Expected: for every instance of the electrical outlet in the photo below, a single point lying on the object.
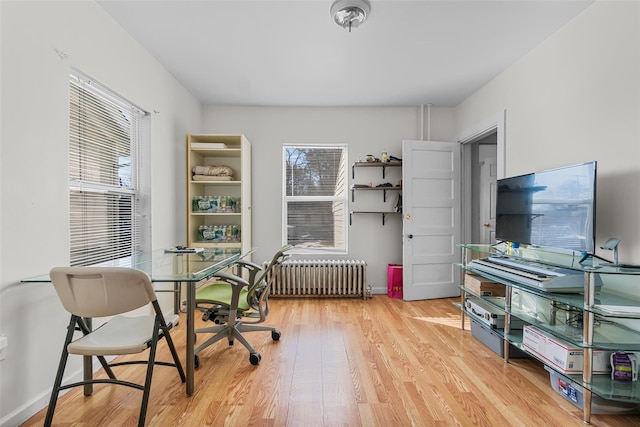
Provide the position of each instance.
(4, 342)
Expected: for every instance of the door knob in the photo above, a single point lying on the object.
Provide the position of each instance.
(410, 236)
(486, 224)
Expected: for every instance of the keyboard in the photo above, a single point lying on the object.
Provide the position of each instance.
(537, 275)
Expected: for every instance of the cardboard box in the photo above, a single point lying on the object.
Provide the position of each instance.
(483, 287)
(563, 356)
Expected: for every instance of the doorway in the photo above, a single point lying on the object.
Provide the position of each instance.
(483, 189)
(483, 153)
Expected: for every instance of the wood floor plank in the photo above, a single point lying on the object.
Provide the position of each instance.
(341, 362)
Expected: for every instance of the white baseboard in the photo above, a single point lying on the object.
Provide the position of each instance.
(41, 401)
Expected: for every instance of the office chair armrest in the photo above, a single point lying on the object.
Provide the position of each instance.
(251, 267)
(231, 279)
(248, 265)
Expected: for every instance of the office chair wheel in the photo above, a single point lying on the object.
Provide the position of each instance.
(196, 361)
(254, 358)
(275, 335)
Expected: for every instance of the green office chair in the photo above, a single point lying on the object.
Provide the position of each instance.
(237, 305)
(88, 292)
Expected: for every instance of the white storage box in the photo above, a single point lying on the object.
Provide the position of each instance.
(574, 393)
(563, 356)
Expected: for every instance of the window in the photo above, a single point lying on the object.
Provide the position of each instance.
(107, 188)
(315, 202)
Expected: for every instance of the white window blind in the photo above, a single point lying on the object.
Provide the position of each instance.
(315, 202)
(105, 198)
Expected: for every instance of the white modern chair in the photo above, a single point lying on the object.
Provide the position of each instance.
(88, 292)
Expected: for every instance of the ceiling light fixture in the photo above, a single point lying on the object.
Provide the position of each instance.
(350, 13)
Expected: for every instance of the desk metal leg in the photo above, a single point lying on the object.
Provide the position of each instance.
(176, 297)
(191, 341)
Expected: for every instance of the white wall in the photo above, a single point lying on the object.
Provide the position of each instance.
(366, 131)
(576, 98)
(33, 170)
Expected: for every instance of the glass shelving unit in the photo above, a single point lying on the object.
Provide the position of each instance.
(607, 319)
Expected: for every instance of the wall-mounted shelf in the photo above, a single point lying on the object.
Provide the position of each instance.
(383, 165)
(383, 189)
(384, 214)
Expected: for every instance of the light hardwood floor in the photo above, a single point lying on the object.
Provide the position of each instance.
(342, 362)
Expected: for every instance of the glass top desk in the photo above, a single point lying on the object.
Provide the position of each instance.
(183, 268)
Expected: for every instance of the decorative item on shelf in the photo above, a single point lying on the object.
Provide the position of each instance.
(397, 206)
(384, 156)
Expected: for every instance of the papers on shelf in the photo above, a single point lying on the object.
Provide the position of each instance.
(618, 309)
(212, 145)
(183, 250)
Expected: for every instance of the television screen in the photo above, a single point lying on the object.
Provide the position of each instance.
(552, 208)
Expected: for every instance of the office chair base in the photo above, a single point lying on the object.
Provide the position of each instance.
(235, 333)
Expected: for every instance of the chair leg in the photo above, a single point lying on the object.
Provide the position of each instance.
(61, 367)
(243, 340)
(167, 337)
(106, 367)
(147, 382)
(174, 353)
(221, 333)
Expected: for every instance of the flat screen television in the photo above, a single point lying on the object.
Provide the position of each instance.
(554, 208)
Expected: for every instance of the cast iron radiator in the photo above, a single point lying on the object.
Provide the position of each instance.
(320, 278)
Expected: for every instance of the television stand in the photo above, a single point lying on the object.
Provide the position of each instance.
(606, 322)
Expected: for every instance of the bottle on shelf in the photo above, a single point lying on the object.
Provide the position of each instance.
(385, 156)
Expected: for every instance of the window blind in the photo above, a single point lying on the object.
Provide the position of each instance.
(104, 136)
(315, 197)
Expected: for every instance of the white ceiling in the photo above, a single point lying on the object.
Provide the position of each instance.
(291, 53)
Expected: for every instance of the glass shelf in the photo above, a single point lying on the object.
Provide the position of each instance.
(562, 259)
(607, 303)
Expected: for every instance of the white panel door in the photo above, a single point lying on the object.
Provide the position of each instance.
(431, 219)
(488, 180)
